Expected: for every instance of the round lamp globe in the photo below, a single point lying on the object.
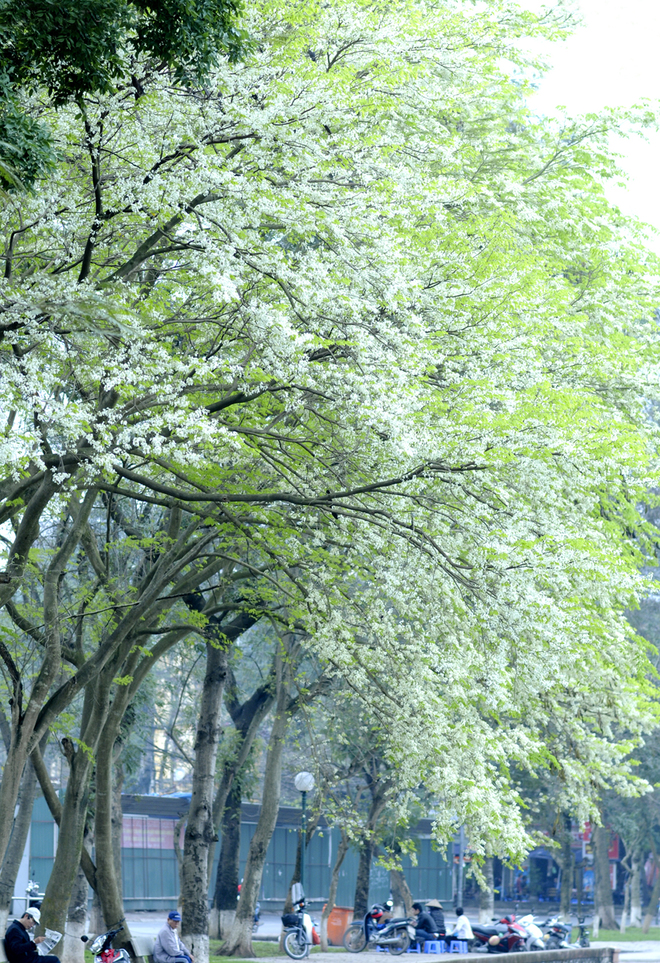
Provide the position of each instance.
(304, 782)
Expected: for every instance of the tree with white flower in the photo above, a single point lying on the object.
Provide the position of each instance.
(354, 310)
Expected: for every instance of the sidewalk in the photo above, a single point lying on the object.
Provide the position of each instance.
(642, 951)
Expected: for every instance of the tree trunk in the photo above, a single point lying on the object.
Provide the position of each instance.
(73, 950)
(378, 791)
(70, 840)
(107, 827)
(603, 904)
(96, 921)
(636, 889)
(226, 881)
(117, 824)
(652, 908)
(16, 847)
(178, 852)
(487, 893)
(10, 783)
(247, 717)
(361, 899)
(24, 717)
(342, 849)
(74, 810)
(626, 904)
(401, 895)
(567, 868)
(199, 828)
(239, 942)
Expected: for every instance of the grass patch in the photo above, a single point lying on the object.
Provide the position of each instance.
(260, 947)
(632, 934)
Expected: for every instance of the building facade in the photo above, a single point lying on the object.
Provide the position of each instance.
(149, 866)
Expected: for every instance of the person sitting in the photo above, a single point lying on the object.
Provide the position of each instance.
(19, 947)
(168, 947)
(462, 930)
(423, 923)
(434, 908)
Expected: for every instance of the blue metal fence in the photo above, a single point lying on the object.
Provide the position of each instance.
(149, 867)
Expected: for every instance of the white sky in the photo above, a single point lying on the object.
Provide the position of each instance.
(613, 60)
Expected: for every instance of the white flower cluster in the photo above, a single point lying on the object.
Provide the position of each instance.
(357, 298)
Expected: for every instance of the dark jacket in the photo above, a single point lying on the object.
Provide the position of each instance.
(19, 948)
(438, 918)
(425, 924)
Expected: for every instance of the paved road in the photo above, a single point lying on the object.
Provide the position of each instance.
(641, 951)
(148, 924)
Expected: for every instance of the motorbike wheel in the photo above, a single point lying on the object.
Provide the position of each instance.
(584, 941)
(354, 939)
(295, 945)
(396, 949)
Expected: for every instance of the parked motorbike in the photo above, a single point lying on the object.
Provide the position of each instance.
(535, 940)
(394, 935)
(502, 936)
(298, 932)
(583, 938)
(558, 936)
(103, 950)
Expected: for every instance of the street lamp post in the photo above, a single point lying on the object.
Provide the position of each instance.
(304, 783)
(461, 859)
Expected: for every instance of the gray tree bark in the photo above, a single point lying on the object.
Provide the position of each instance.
(487, 893)
(18, 839)
(652, 907)
(72, 829)
(604, 905)
(226, 881)
(107, 824)
(246, 717)
(626, 905)
(239, 942)
(73, 950)
(24, 719)
(199, 827)
(401, 895)
(378, 789)
(636, 888)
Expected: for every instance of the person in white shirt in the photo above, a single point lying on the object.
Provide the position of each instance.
(462, 930)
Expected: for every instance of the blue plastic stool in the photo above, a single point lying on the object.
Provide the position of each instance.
(435, 946)
(414, 948)
(381, 949)
(458, 946)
